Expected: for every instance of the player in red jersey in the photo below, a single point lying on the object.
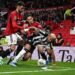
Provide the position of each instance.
(32, 24)
(14, 23)
(29, 48)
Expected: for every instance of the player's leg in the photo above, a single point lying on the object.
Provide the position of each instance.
(21, 53)
(7, 52)
(12, 39)
(19, 48)
(1, 60)
(26, 56)
(28, 53)
(41, 49)
(20, 44)
(52, 55)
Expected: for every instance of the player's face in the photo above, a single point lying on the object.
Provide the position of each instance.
(21, 8)
(30, 19)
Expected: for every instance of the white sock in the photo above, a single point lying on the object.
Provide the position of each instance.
(21, 53)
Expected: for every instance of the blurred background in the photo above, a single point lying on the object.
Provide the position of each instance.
(50, 13)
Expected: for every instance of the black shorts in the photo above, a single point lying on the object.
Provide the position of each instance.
(6, 53)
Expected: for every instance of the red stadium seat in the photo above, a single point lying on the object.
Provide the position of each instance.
(66, 32)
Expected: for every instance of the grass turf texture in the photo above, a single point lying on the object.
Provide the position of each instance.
(30, 68)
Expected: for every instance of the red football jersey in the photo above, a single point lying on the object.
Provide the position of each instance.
(14, 23)
(34, 24)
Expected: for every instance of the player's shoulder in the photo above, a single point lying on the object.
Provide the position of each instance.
(37, 22)
(13, 13)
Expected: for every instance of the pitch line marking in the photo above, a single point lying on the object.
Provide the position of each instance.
(35, 71)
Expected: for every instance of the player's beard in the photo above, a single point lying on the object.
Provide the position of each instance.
(20, 11)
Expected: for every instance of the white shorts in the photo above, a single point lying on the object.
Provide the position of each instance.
(12, 39)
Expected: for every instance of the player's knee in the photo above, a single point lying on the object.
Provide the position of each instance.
(27, 56)
(40, 48)
(49, 52)
(27, 46)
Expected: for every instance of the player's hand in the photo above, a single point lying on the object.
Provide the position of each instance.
(32, 28)
(25, 25)
(22, 31)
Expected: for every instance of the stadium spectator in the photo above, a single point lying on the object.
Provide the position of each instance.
(68, 44)
(69, 14)
(60, 39)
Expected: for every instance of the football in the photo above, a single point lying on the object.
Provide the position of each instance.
(41, 62)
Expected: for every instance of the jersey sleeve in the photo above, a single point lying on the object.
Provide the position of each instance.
(38, 25)
(43, 32)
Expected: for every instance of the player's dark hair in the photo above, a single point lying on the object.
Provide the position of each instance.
(20, 3)
(28, 15)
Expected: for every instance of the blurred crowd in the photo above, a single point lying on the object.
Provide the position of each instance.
(34, 4)
(44, 16)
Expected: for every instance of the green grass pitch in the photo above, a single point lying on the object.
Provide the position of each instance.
(30, 68)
